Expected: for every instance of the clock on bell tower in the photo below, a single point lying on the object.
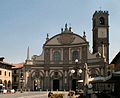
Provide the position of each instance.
(101, 33)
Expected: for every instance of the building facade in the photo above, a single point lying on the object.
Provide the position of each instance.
(116, 62)
(51, 70)
(5, 74)
(17, 74)
(116, 74)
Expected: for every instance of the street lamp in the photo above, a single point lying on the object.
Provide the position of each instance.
(21, 81)
(76, 61)
(76, 70)
(85, 72)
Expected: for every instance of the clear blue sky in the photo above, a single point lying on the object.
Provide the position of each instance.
(26, 23)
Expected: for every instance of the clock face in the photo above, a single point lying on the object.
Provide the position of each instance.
(102, 32)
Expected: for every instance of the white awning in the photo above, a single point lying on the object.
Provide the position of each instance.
(96, 79)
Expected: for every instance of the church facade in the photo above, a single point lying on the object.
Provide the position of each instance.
(51, 70)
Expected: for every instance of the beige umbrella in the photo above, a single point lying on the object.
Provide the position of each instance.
(85, 79)
(86, 75)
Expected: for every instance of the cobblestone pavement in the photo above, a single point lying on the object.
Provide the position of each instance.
(42, 94)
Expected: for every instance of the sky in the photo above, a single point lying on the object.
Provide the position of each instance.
(26, 23)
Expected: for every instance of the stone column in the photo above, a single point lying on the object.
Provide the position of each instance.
(47, 80)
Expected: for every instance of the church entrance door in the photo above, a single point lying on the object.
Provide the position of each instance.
(74, 84)
(55, 84)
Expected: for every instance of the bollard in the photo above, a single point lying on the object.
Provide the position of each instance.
(47, 91)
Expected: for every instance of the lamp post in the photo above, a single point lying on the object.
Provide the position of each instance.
(76, 70)
(85, 72)
(21, 81)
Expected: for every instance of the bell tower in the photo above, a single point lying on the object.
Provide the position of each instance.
(101, 33)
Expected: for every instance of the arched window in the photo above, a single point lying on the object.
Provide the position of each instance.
(102, 20)
(75, 55)
(56, 57)
(9, 84)
(5, 73)
(5, 83)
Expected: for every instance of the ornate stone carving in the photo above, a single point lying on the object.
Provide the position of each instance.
(65, 55)
(66, 38)
(47, 55)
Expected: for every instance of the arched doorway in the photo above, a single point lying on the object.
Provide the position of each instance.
(56, 80)
(9, 84)
(55, 84)
(5, 84)
(37, 80)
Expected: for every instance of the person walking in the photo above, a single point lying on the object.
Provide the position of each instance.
(49, 94)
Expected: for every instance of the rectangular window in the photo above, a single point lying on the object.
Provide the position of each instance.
(5, 73)
(15, 71)
(15, 79)
(9, 74)
(0, 72)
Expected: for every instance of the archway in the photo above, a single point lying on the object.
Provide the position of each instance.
(56, 80)
(9, 84)
(37, 80)
(5, 84)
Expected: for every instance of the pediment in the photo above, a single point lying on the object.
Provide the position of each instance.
(65, 39)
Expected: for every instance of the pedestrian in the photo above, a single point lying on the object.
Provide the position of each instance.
(49, 94)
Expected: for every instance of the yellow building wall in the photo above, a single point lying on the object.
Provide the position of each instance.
(6, 77)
